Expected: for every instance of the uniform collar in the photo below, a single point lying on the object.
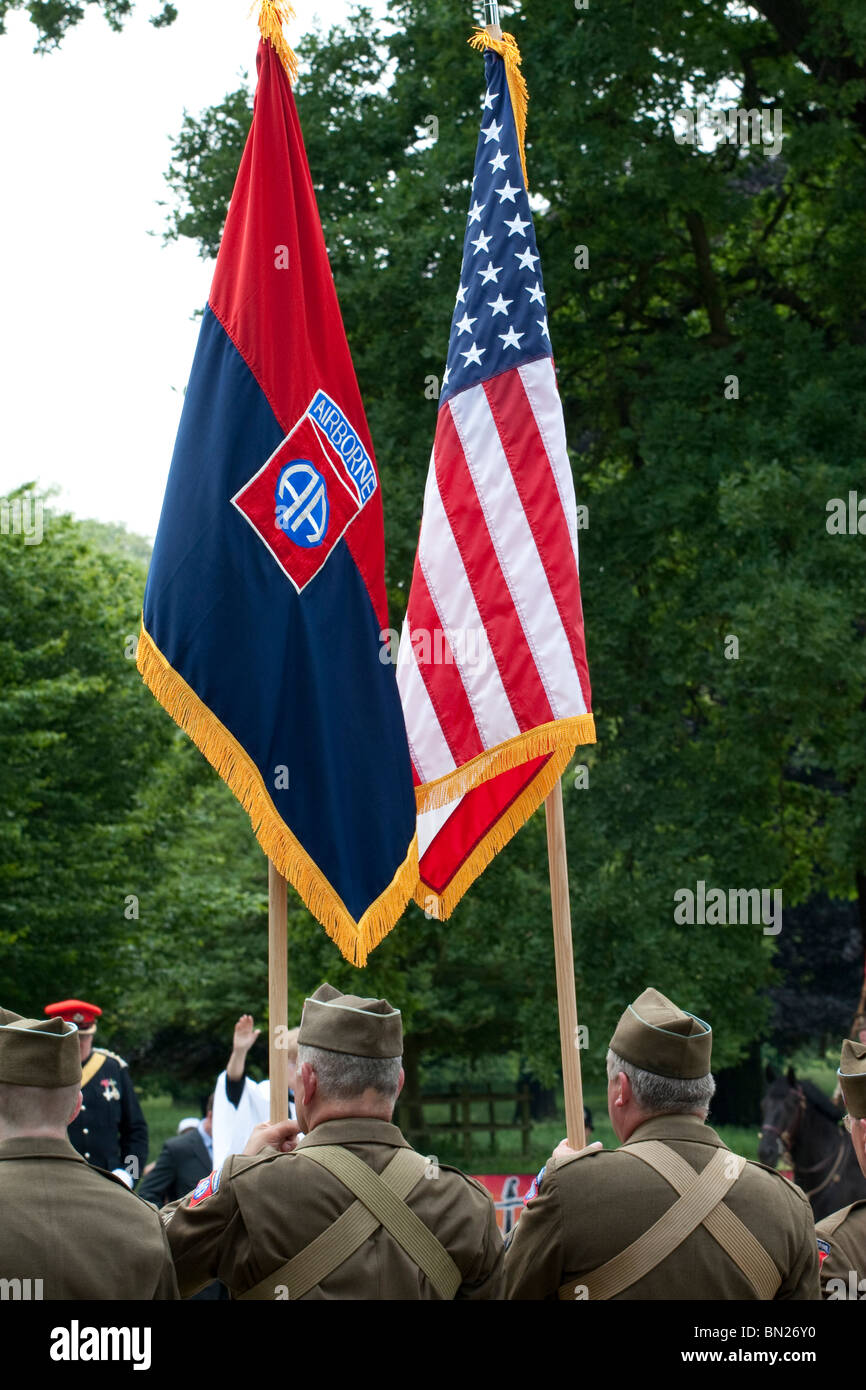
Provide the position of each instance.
(360, 1130)
(683, 1127)
(38, 1147)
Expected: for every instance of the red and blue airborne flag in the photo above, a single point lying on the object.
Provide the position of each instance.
(266, 592)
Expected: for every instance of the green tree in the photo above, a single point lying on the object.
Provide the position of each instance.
(706, 310)
(53, 19)
(78, 735)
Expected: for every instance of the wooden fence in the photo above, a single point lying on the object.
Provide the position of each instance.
(460, 1104)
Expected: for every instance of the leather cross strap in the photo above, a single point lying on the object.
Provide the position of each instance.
(702, 1193)
(380, 1203)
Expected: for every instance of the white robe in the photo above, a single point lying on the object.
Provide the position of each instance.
(232, 1125)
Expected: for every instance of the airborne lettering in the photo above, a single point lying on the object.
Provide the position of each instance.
(333, 423)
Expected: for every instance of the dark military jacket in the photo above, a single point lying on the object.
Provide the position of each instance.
(183, 1161)
(262, 1211)
(110, 1129)
(590, 1208)
(79, 1231)
(842, 1250)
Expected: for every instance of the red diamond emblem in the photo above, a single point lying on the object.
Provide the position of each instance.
(300, 502)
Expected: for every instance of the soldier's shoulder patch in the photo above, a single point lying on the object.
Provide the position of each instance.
(823, 1249)
(206, 1188)
(105, 1052)
(535, 1186)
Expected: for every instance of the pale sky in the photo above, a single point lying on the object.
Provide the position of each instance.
(98, 335)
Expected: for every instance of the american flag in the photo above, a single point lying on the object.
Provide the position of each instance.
(492, 665)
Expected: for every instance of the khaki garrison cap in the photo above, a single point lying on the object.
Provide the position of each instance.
(852, 1078)
(38, 1051)
(656, 1036)
(347, 1023)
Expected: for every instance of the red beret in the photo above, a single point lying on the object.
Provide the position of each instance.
(75, 1011)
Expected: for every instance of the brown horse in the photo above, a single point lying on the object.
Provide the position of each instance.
(801, 1121)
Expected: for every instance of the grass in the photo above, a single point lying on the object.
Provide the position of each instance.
(162, 1116)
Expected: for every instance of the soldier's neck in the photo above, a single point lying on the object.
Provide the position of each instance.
(30, 1132)
(348, 1110)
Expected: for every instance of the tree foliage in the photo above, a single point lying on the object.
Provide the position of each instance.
(53, 19)
(711, 364)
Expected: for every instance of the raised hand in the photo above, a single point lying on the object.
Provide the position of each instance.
(245, 1033)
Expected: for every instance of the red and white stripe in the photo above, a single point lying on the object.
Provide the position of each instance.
(497, 563)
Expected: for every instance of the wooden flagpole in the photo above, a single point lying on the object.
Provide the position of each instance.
(278, 993)
(558, 863)
(565, 989)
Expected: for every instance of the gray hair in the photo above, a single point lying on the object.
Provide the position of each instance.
(342, 1076)
(663, 1095)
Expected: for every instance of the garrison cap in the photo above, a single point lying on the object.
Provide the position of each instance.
(656, 1036)
(852, 1078)
(38, 1052)
(75, 1011)
(348, 1023)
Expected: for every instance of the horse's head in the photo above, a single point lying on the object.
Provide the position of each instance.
(781, 1111)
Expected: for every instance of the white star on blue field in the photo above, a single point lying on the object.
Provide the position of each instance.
(500, 318)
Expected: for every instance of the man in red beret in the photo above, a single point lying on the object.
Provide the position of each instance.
(109, 1131)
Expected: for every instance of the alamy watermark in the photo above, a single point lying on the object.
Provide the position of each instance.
(736, 907)
(22, 516)
(21, 1290)
(462, 647)
(846, 518)
(757, 126)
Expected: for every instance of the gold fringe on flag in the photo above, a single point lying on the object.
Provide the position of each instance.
(557, 736)
(507, 49)
(440, 906)
(237, 769)
(272, 16)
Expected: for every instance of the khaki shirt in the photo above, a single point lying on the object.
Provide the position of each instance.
(76, 1228)
(268, 1208)
(590, 1208)
(842, 1243)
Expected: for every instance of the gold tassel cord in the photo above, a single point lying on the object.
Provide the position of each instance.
(547, 738)
(508, 51)
(272, 16)
(234, 765)
(441, 905)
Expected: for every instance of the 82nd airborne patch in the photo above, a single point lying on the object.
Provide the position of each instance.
(306, 495)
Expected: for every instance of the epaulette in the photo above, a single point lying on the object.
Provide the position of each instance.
(798, 1191)
(562, 1160)
(111, 1054)
(112, 1177)
(828, 1224)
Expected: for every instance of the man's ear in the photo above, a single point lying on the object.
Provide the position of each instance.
(401, 1078)
(625, 1093)
(79, 1100)
(309, 1083)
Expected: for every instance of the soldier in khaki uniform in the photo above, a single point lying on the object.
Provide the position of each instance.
(672, 1214)
(75, 1229)
(842, 1235)
(353, 1212)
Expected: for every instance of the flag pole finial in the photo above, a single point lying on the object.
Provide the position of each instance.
(491, 19)
(491, 36)
(272, 15)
